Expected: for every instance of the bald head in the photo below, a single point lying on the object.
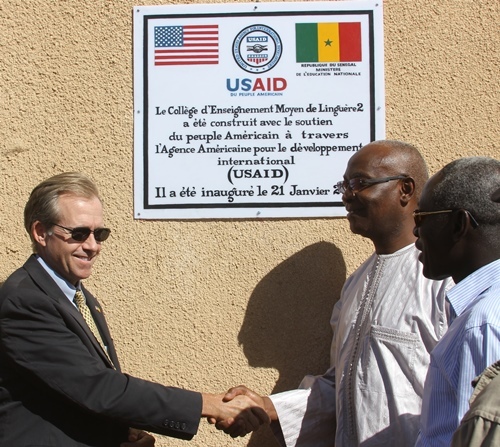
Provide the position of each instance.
(400, 158)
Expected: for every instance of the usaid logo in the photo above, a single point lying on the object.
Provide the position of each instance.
(257, 49)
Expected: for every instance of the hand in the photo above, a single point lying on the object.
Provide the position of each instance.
(237, 416)
(138, 438)
(242, 390)
(263, 401)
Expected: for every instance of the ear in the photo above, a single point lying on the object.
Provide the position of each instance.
(461, 224)
(39, 233)
(496, 196)
(407, 190)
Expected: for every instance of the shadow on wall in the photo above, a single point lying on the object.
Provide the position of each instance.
(287, 322)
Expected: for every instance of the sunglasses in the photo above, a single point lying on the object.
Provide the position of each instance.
(81, 234)
(418, 216)
(357, 184)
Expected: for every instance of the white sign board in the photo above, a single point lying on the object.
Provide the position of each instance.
(253, 110)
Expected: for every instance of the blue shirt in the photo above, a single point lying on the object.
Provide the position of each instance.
(68, 289)
(471, 343)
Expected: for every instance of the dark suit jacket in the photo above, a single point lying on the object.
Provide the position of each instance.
(57, 387)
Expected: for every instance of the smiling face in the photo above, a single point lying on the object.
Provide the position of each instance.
(376, 211)
(71, 259)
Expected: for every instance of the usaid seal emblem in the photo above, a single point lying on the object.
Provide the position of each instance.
(257, 49)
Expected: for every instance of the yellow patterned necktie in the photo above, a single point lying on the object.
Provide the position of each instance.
(87, 316)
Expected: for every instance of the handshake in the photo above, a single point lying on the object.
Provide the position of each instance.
(239, 411)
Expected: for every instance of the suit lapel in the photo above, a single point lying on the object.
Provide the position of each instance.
(43, 280)
(100, 321)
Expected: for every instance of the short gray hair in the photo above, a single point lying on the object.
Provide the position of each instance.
(468, 183)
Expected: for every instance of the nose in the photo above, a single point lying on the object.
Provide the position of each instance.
(348, 196)
(91, 244)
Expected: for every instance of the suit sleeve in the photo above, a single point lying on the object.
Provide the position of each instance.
(43, 342)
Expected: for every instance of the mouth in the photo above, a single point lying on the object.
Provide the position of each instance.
(84, 258)
(352, 212)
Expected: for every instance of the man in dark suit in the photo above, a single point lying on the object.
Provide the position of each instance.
(60, 378)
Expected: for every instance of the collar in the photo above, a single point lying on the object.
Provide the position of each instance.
(463, 294)
(67, 288)
(399, 252)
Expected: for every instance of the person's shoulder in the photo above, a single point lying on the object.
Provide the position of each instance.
(14, 281)
(485, 310)
(440, 286)
(360, 271)
(19, 285)
(487, 402)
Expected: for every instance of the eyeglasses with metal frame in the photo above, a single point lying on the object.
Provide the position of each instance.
(419, 215)
(81, 234)
(358, 184)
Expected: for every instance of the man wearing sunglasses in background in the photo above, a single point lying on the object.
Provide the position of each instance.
(60, 379)
(458, 231)
(480, 426)
(388, 319)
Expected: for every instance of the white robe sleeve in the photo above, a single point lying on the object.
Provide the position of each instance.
(307, 415)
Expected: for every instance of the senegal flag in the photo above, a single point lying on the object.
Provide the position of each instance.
(328, 42)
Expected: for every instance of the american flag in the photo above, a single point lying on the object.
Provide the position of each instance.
(186, 45)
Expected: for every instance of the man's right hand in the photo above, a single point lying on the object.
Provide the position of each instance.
(237, 416)
(262, 402)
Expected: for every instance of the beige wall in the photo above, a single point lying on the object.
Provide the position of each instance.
(211, 304)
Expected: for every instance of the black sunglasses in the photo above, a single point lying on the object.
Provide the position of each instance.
(418, 216)
(357, 184)
(81, 234)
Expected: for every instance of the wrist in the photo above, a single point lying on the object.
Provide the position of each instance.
(270, 408)
(211, 405)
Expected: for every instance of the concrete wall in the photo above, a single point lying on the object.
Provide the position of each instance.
(210, 304)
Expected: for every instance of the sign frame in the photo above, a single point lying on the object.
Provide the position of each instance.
(178, 185)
